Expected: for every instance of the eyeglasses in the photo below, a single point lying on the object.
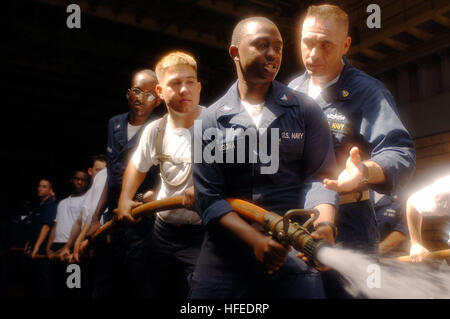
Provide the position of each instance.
(146, 94)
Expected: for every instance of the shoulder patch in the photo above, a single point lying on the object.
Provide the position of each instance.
(285, 98)
(225, 109)
(345, 93)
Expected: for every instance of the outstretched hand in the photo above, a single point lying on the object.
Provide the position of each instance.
(351, 177)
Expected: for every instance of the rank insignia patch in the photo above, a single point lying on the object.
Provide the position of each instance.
(225, 109)
(284, 98)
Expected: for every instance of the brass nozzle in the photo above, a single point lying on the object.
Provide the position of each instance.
(311, 249)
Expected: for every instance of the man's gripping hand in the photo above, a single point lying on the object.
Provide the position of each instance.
(188, 200)
(63, 254)
(417, 253)
(122, 214)
(322, 232)
(271, 253)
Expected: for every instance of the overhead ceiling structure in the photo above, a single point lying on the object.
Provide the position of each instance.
(409, 28)
(207, 22)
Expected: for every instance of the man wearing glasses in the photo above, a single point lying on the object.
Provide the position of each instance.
(126, 253)
(124, 130)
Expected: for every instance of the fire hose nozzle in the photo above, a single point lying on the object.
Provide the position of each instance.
(299, 236)
(283, 229)
(311, 250)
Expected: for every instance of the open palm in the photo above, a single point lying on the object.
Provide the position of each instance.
(350, 178)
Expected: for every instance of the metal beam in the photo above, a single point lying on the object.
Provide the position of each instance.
(444, 21)
(420, 34)
(409, 26)
(394, 44)
(373, 54)
(413, 53)
(228, 8)
(129, 17)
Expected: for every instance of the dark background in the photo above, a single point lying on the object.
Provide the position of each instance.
(62, 85)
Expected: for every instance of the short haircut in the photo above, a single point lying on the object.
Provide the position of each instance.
(47, 180)
(80, 170)
(329, 11)
(148, 72)
(98, 157)
(239, 28)
(172, 59)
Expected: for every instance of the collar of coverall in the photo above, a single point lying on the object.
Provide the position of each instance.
(278, 97)
(338, 91)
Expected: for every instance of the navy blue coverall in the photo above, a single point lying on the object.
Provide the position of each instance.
(361, 112)
(41, 278)
(226, 267)
(122, 264)
(388, 211)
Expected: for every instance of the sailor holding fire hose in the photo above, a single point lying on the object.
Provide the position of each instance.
(177, 233)
(235, 257)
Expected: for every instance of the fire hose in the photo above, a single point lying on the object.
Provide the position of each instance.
(141, 211)
(439, 254)
(281, 228)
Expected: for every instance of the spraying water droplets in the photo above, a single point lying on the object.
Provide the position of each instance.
(391, 280)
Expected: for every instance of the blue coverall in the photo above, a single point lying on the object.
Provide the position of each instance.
(226, 268)
(122, 264)
(361, 112)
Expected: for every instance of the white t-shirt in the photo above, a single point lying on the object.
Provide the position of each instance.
(431, 200)
(255, 111)
(93, 195)
(132, 130)
(177, 144)
(315, 90)
(67, 213)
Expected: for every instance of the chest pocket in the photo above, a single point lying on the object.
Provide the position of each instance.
(291, 145)
(339, 125)
(390, 215)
